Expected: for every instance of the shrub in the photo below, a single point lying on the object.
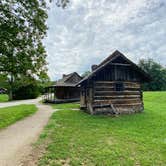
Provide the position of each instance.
(30, 91)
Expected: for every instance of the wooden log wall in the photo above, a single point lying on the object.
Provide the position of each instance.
(116, 72)
(83, 103)
(130, 97)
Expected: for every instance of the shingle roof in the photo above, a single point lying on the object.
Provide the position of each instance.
(65, 81)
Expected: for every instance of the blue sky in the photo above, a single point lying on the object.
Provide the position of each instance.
(90, 30)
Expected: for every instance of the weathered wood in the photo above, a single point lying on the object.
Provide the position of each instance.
(104, 88)
(117, 97)
(64, 88)
(132, 89)
(128, 105)
(120, 105)
(108, 82)
(114, 109)
(109, 93)
(120, 64)
(115, 87)
(117, 101)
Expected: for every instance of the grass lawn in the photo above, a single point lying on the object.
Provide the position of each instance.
(66, 106)
(3, 97)
(9, 115)
(76, 138)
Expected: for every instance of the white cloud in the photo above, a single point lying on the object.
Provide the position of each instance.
(88, 31)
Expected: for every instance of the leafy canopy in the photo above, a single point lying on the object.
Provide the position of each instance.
(157, 72)
(22, 28)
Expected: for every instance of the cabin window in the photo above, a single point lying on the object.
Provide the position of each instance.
(119, 86)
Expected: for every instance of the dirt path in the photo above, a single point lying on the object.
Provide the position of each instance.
(17, 102)
(16, 140)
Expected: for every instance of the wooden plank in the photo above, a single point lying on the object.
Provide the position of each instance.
(127, 83)
(124, 105)
(106, 82)
(102, 86)
(112, 82)
(120, 64)
(110, 93)
(127, 105)
(132, 86)
(132, 89)
(117, 97)
(101, 106)
(112, 88)
(104, 89)
(118, 101)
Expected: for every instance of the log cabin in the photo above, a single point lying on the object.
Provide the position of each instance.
(113, 87)
(64, 90)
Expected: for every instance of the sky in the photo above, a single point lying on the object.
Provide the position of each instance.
(88, 31)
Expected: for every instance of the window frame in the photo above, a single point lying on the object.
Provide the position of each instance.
(119, 86)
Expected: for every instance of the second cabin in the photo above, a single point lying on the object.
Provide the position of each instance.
(113, 87)
(64, 90)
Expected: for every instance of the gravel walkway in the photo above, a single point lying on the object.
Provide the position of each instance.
(16, 140)
(17, 102)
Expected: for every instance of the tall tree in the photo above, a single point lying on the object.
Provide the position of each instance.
(22, 28)
(157, 72)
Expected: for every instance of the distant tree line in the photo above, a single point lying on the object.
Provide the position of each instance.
(157, 73)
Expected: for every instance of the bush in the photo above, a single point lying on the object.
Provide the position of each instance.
(30, 91)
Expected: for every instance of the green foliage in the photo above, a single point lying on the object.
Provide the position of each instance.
(62, 3)
(4, 98)
(26, 87)
(77, 138)
(10, 115)
(3, 81)
(30, 91)
(22, 29)
(86, 73)
(157, 72)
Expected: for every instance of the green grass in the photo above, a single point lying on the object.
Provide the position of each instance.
(66, 106)
(9, 115)
(4, 97)
(76, 138)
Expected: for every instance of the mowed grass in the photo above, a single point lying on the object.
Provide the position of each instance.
(4, 97)
(9, 115)
(76, 138)
(66, 106)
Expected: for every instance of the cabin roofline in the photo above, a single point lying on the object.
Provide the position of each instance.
(109, 59)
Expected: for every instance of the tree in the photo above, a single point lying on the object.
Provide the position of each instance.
(86, 73)
(62, 3)
(157, 72)
(22, 28)
(3, 82)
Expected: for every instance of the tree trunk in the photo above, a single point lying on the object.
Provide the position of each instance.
(10, 94)
(11, 88)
